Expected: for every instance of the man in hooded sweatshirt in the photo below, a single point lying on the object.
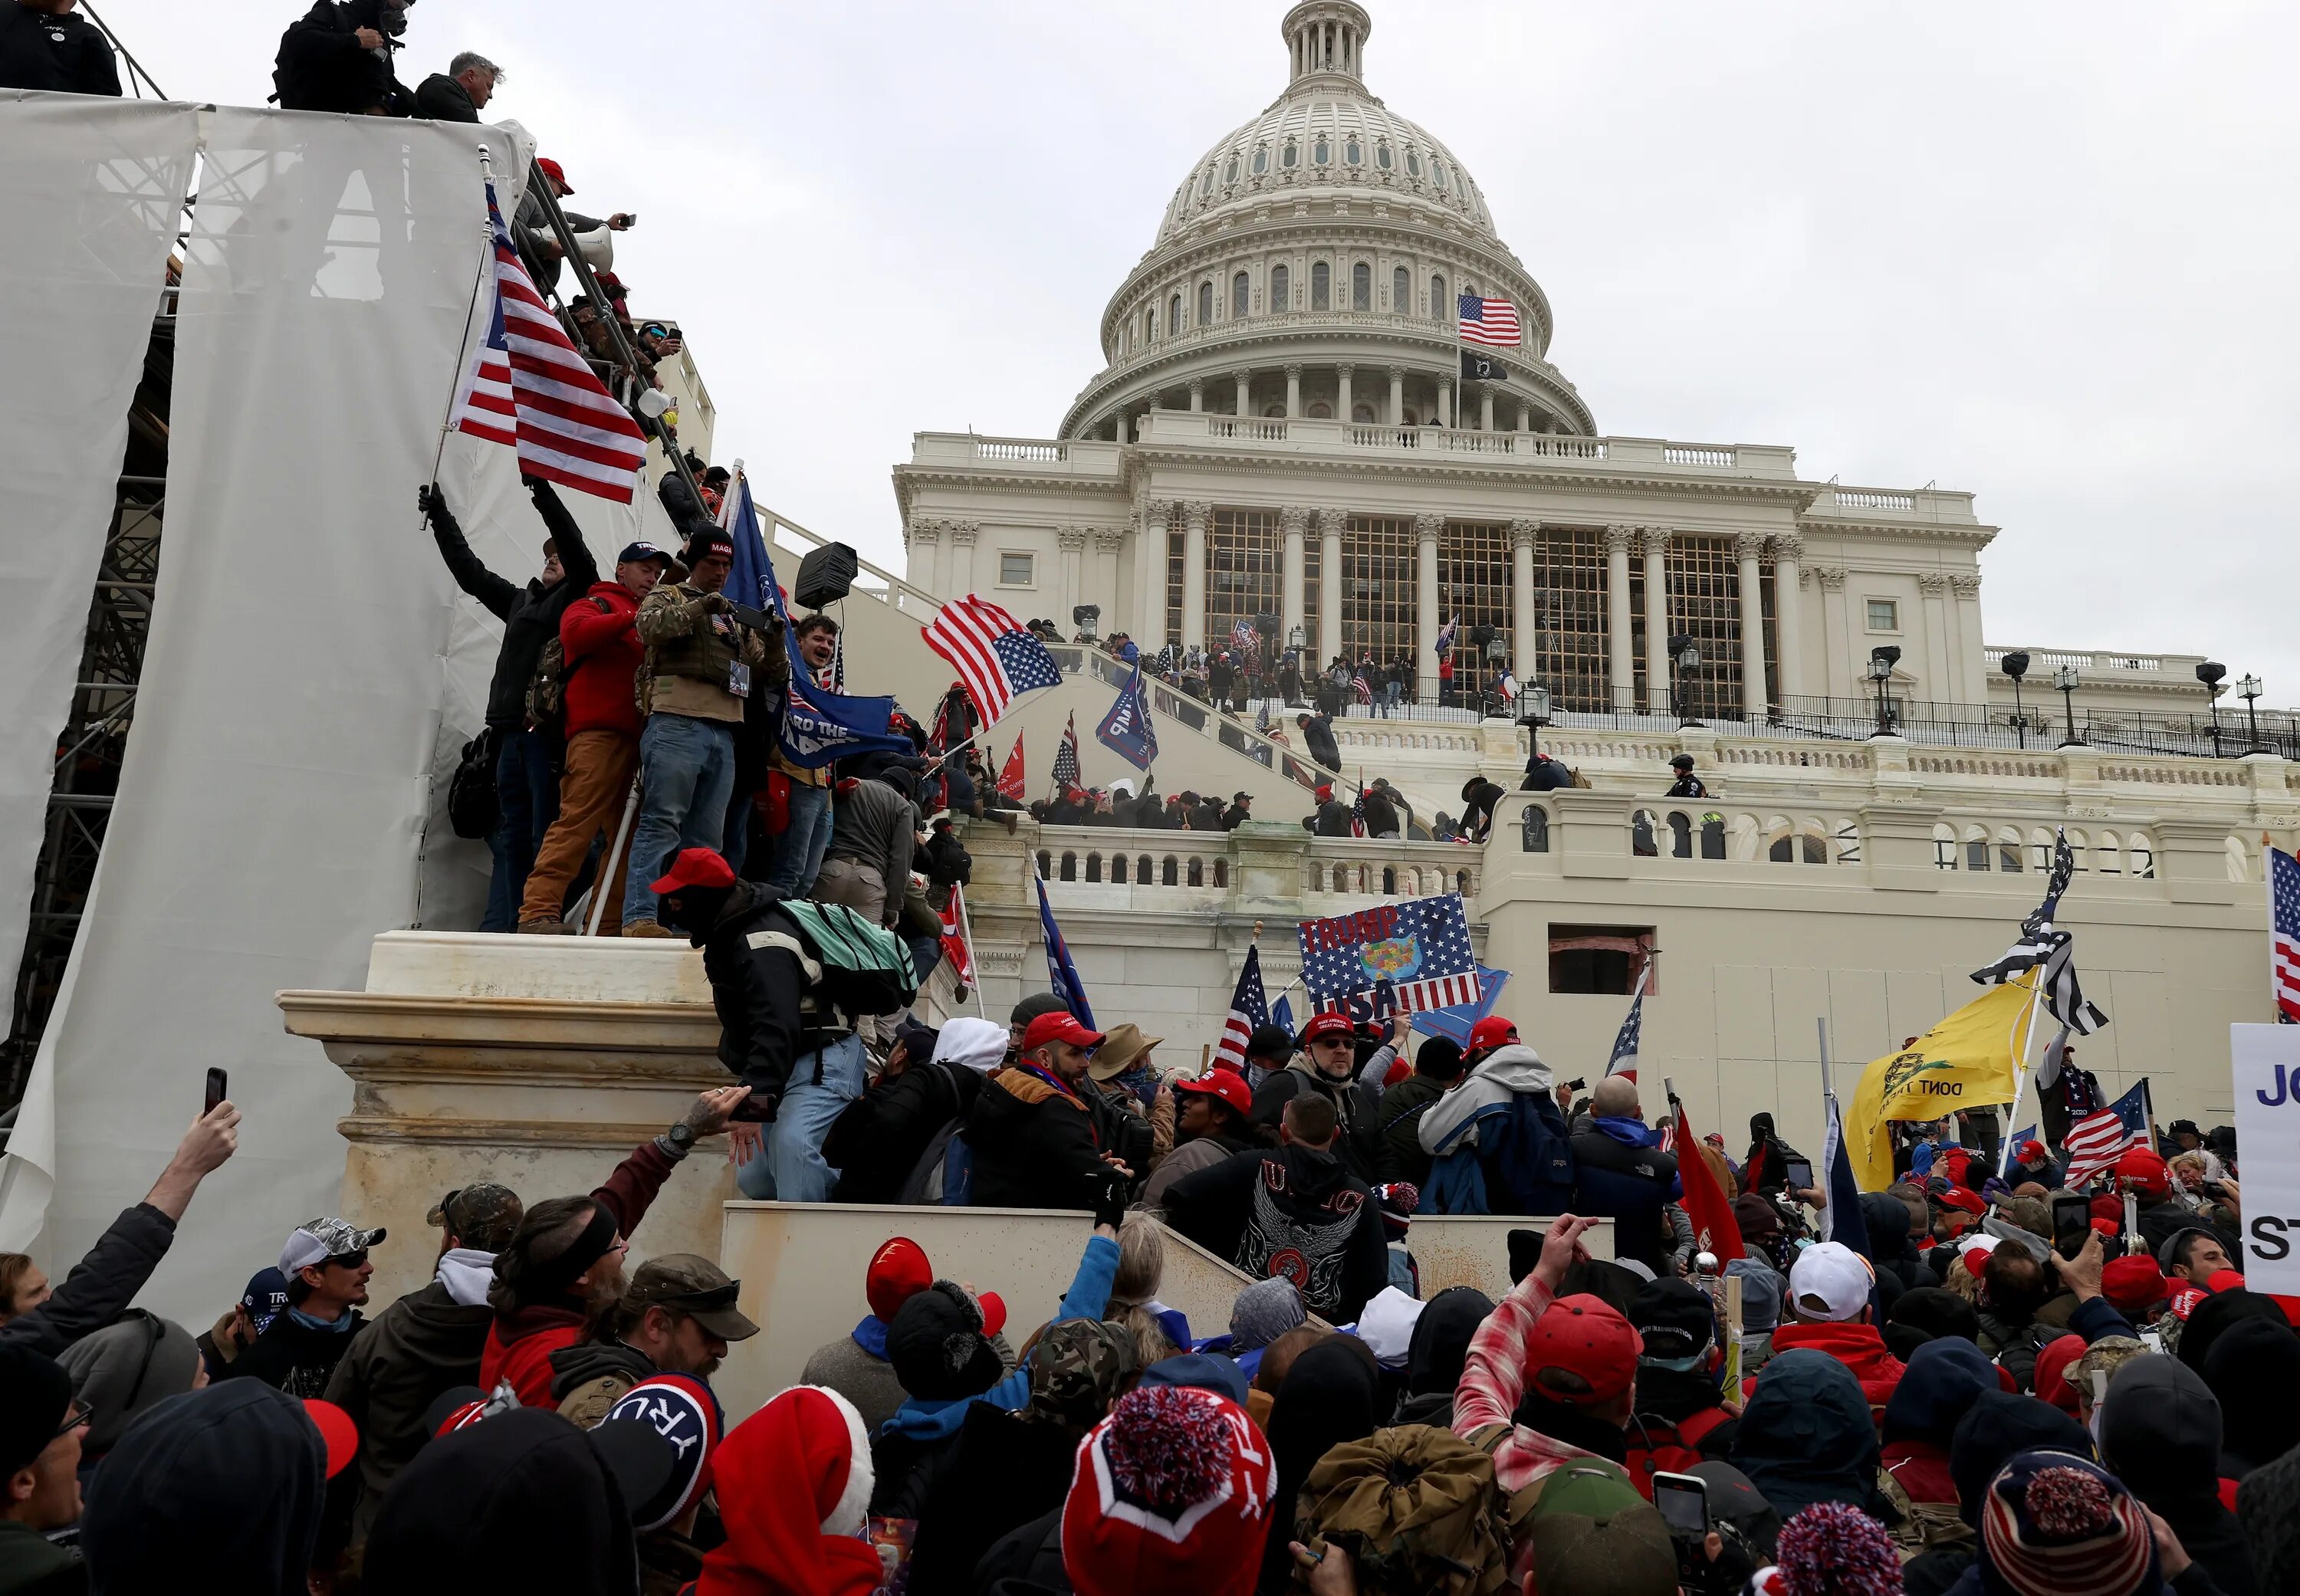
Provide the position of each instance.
(1807, 1436)
(2160, 1431)
(1504, 1114)
(427, 1342)
(1829, 1310)
(877, 1139)
(1944, 1378)
(1296, 1211)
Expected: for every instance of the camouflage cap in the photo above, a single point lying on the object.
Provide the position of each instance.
(695, 1287)
(316, 1241)
(483, 1215)
(1078, 1369)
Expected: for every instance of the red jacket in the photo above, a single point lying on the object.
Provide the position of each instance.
(1921, 1468)
(603, 652)
(520, 1344)
(1857, 1346)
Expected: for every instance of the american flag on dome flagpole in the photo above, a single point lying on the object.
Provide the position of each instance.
(527, 386)
(995, 655)
(1490, 322)
(1248, 1009)
(2284, 934)
(2095, 1142)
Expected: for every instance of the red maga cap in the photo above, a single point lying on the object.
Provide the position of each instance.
(694, 866)
(1059, 1026)
(1492, 1032)
(556, 170)
(1322, 1026)
(1583, 1335)
(1226, 1085)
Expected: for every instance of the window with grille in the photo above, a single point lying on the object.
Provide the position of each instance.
(1173, 582)
(1401, 291)
(1378, 581)
(1205, 304)
(1473, 583)
(1361, 286)
(1240, 287)
(1245, 551)
(1568, 618)
(1704, 603)
(1439, 309)
(1322, 279)
(1281, 291)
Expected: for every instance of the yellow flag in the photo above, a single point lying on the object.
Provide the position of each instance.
(1970, 1059)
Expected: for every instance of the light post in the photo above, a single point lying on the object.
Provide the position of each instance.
(1686, 659)
(1881, 661)
(2248, 690)
(1534, 701)
(1496, 662)
(2209, 673)
(2015, 665)
(1088, 619)
(2065, 681)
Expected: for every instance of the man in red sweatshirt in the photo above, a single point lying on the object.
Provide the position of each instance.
(566, 1262)
(1830, 1301)
(599, 637)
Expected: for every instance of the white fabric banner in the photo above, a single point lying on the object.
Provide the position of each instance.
(92, 190)
(305, 638)
(2267, 1063)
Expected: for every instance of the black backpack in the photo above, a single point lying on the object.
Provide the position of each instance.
(474, 807)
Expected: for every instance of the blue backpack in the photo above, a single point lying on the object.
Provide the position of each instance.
(1523, 1145)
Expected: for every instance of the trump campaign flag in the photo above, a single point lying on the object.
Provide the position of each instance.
(1061, 975)
(1126, 731)
(1420, 947)
(820, 725)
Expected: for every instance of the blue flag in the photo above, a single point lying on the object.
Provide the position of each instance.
(1061, 973)
(1126, 731)
(820, 727)
(751, 574)
(1282, 1015)
(1841, 1220)
(1454, 1023)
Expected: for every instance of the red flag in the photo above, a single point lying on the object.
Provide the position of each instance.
(1714, 1228)
(1010, 777)
(954, 938)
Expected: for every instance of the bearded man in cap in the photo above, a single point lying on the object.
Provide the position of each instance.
(676, 1316)
(1035, 1135)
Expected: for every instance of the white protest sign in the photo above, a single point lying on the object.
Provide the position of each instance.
(2267, 1062)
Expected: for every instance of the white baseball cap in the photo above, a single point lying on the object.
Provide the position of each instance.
(1831, 1281)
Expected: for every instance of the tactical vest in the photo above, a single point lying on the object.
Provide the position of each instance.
(704, 653)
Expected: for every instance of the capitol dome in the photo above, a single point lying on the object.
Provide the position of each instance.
(1309, 264)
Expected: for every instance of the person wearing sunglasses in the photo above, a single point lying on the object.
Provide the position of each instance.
(325, 1263)
(41, 1428)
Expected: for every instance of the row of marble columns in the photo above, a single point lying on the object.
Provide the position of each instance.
(1651, 542)
(1345, 377)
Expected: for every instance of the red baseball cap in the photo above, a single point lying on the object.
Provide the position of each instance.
(994, 1312)
(2185, 1299)
(1223, 1084)
(1964, 1199)
(1059, 1026)
(694, 866)
(898, 1271)
(1587, 1336)
(1492, 1032)
(2145, 1169)
(2132, 1285)
(1322, 1026)
(2108, 1208)
(2225, 1280)
(2032, 1150)
(556, 170)
(336, 1430)
(2108, 1227)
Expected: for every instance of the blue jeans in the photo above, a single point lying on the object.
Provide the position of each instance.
(791, 1169)
(527, 797)
(798, 850)
(687, 769)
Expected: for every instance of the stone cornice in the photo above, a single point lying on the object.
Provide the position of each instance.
(1956, 535)
(1470, 470)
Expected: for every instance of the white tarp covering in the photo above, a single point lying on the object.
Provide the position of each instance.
(92, 191)
(311, 666)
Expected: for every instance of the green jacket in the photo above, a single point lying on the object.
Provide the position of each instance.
(29, 1566)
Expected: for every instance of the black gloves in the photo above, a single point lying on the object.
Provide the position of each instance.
(1106, 1189)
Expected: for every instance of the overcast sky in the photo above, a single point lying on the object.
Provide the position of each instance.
(2043, 253)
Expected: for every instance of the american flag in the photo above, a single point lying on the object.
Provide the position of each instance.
(1248, 1007)
(2284, 934)
(1261, 718)
(1361, 688)
(1624, 1061)
(2095, 1142)
(1066, 765)
(1357, 812)
(1421, 946)
(528, 387)
(1492, 322)
(1243, 639)
(1446, 635)
(996, 659)
(2042, 944)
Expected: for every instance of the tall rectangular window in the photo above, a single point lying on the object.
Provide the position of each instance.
(1378, 582)
(1704, 603)
(1173, 582)
(1473, 583)
(1245, 549)
(1569, 618)
(1321, 287)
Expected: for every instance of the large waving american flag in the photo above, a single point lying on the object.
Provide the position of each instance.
(527, 386)
(1488, 321)
(2095, 1142)
(1248, 1009)
(994, 655)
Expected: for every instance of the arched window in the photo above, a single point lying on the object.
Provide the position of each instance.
(1321, 152)
(1281, 288)
(1206, 183)
(1848, 842)
(1354, 152)
(1117, 869)
(1401, 291)
(1198, 871)
(1205, 304)
(1461, 881)
(2143, 857)
(1361, 286)
(1142, 870)
(1413, 163)
(1046, 862)
(1975, 849)
(1094, 866)
(1783, 850)
(1440, 309)
(1381, 156)
(1222, 872)
(1070, 867)
(1641, 834)
(1170, 872)
(1680, 835)
(1389, 881)
(1149, 326)
(1712, 836)
(1361, 412)
(1241, 290)
(1173, 315)
(1435, 165)
(1322, 285)
(2008, 851)
(1943, 848)
(1260, 159)
(1321, 412)
(1535, 839)
(1230, 173)
(1471, 289)
(1290, 156)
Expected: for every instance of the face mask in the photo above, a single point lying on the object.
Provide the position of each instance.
(697, 910)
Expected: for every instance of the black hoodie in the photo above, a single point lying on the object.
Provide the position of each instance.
(517, 1502)
(322, 67)
(297, 1358)
(1258, 1206)
(2253, 1367)
(2160, 1430)
(1437, 1352)
(214, 1491)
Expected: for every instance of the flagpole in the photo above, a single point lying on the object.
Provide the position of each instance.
(470, 315)
(966, 935)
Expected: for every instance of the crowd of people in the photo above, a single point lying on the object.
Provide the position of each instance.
(1964, 1403)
